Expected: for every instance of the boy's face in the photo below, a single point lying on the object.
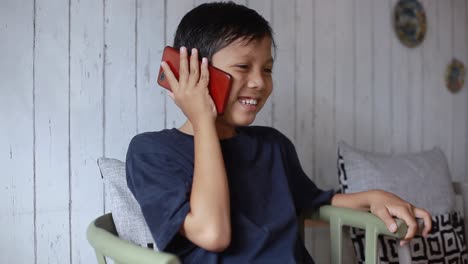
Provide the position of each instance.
(250, 66)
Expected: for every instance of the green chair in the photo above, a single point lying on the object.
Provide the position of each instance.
(103, 237)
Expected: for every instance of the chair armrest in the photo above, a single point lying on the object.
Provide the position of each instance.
(360, 219)
(339, 217)
(107, 244)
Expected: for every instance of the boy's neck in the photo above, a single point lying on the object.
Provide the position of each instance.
(224, 131)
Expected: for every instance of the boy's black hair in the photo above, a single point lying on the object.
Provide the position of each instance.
(212, 26)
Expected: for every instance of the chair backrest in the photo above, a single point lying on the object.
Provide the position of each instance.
(102, 235)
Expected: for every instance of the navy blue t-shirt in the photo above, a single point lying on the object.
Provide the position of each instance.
(267, 185)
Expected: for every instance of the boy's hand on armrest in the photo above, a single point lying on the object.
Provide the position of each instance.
(386, 206)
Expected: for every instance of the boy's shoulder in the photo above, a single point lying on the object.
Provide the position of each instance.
(151, 141)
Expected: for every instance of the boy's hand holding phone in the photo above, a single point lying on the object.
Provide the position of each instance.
(190, 87)
(177, 71)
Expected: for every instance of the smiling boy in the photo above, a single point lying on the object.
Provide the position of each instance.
(217, 190)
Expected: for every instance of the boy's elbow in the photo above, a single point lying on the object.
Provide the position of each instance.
(214, 236)
(217, 241)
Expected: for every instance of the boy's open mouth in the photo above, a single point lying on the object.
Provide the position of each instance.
(247, 101)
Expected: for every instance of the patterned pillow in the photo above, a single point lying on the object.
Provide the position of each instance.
(445, 243)
(360, 170)
(126, 212)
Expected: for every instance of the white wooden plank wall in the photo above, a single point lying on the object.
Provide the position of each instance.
(382, 33)
(17, 194)
(363, 73)
(87, 120)
(150, 27)
(51, 115)
(78, 81)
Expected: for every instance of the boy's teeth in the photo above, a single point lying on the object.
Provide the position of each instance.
(249, 101)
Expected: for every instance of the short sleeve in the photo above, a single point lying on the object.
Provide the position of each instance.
(305, 193)
(156, 182)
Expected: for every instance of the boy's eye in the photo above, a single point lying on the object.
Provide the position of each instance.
(268, 70)
(242, 66)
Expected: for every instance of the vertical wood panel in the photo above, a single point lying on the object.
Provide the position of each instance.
(264, 8)
(460, 116)
(415, 102)
(364, 73)
(445, 98)
(149, 47)
(400, 93)
(119, 77)
(175, 10)
(304, 84)
(325, 153)
(431, 116)
(283, 77)
(86, 121)
(16, 133)
(51, 130)
(382, 58)
(345, 68)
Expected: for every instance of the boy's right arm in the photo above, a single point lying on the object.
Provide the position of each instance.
(208, 223)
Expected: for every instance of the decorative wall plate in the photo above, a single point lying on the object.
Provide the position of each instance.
(410, 22)
(455, 75)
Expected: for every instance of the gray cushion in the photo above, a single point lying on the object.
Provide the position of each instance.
(126, 211)
(422, 179)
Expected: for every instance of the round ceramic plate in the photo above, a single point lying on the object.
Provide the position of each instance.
(410, 22)
(455, 75)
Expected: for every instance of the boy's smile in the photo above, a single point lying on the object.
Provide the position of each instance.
(250, 65)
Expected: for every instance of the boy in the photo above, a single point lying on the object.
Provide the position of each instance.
(216, 190)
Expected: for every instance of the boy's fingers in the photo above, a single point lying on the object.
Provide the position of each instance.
(194, 69)
(426, 217)
(387, 219)
(410, 221)
(171, 79)
(183, 66)
(205, 74)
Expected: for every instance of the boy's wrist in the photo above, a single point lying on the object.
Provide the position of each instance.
(203, 124)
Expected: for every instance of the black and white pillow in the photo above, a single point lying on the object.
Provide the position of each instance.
(445, 243)
(359, 170)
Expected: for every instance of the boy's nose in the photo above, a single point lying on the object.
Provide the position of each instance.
(256, 81)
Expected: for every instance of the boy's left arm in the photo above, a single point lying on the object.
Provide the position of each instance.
(386, 205)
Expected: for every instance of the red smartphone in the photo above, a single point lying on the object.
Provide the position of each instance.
(219, 85)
